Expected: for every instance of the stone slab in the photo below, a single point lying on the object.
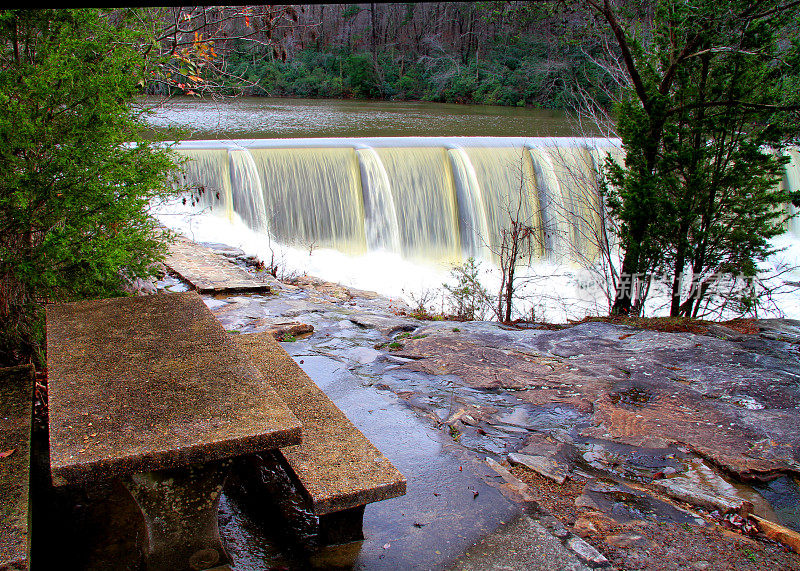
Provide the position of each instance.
(733, 403)
(209, 272)
(547, 467)
(16, 413)
(337, 465)
(694, 493)
(153, 382)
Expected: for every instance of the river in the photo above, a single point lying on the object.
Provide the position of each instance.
(390, 196)
(267, 118)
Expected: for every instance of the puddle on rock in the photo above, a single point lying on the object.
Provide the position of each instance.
(634, 396)
(783, 494)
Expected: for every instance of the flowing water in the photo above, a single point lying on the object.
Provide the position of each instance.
(416, 184)
(430, 198)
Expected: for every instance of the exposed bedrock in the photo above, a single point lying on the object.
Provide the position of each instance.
(734, 402)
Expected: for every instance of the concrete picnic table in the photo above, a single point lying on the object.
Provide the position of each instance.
(151, 390)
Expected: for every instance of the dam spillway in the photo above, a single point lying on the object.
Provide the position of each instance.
(434, 198)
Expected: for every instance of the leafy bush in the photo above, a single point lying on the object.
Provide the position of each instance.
(76, 180)
(468, 298)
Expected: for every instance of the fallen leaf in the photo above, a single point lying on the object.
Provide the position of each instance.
(7, 453)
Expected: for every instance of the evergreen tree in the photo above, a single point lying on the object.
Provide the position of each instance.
(76, 179)
(713, 99)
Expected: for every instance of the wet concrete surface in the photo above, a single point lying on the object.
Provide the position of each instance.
(162, 388)
(16, 408)
(450, 502)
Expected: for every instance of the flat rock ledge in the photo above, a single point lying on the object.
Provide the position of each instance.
(208, 272)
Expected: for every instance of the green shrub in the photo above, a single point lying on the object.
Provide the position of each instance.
(76, 179)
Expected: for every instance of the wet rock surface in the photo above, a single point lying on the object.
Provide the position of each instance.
(613, 410)
(738, 406)
(597, 397)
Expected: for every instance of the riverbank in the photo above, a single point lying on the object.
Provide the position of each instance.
(619, 415)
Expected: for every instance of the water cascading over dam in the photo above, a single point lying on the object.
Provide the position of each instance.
(440, 199)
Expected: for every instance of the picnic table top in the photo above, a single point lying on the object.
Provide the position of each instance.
(146, 383)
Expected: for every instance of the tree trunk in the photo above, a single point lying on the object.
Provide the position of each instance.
(624, 297)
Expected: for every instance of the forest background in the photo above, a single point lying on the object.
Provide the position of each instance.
(493, 53)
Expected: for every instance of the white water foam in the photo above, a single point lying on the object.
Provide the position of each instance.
(548, 291)
(445, 209)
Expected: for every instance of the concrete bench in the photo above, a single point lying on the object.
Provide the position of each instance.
(16, 414)
(337, 468)
(152, 390)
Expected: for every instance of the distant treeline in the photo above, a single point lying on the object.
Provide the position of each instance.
(498, 53)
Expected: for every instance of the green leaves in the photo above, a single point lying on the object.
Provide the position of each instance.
(703, 125)
(75, 179)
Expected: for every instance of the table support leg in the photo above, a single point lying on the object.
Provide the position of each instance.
(180, 510)
(342, 527)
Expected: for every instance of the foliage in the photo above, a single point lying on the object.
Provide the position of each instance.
(187, 45)
(468, 298)
(498, 79)
(75, 177)
(712, 99)
(514, 63)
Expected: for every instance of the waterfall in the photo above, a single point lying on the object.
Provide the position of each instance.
(313, 196)
(246, 191)
(579, 200)
(209, 170)
(380, 216)
(552, 212)
(505, 176)
(472, 224)
(433, 198)
(424, 195)
(791, 181)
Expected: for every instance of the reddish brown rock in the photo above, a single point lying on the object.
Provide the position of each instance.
(281, 331)
(666, 419)
(734, 403)
(584, 528)
(486, 367)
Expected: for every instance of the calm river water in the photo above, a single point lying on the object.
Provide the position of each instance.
(268, 118)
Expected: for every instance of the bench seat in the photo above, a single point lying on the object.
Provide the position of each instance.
(338, 468)
(16, 414)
